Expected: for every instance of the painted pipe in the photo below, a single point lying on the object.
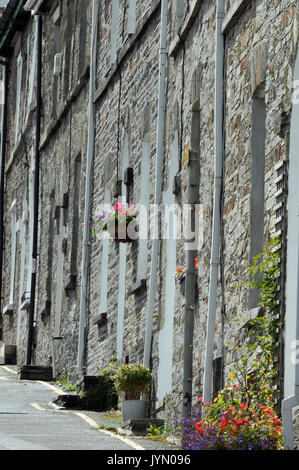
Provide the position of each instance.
(190, 282)
(216, 227)
(158, 181)
(3, 159)
(36, 190)
(88, 195)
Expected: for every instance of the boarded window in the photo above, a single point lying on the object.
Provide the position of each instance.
(258, 136)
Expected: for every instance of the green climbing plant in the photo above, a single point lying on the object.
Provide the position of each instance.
(255, 372)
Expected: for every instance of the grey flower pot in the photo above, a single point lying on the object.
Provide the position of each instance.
(132, 409)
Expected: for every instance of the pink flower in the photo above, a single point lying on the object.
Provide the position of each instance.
(119, 206)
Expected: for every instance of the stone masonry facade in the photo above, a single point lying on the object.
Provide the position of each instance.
(261, 41)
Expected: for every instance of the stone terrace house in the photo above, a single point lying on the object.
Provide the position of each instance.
(179, 103)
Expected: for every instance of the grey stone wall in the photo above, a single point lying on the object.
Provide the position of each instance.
(259, 52)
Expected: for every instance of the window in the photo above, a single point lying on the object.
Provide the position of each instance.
(114, 31)
(18, 99)
(75, 220)
(13, 251)
(217, 376)
(131, 17)
(181, 10)
(258, 136)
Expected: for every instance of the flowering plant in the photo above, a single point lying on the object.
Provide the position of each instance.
(242, 416)
(238, 426)
(179, 272)
(120, 214)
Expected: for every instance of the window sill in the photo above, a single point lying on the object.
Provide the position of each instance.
(25, 305)
(8, 309)
(184, 28)
(100, 319)
(138, 286)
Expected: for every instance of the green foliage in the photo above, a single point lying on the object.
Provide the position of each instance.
(108, 427)
(103, 396)
(256, 372)
(132, 379)
(264, 274)
(157, 433)
(63, 381)
(242, 416)
(229, 424)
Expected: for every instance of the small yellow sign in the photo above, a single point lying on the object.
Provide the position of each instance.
(186, 160)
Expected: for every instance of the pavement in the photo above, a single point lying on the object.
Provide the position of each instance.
(30, 420)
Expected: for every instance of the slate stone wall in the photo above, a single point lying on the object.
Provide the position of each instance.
(259, 53)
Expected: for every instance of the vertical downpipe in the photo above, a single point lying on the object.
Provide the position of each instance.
(88, 195)
(3, 158)
(216, 227)
(158, 180)
(190, 283)
(36, 190)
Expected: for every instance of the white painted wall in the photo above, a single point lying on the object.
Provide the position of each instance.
(292, 277)
(164, 384)
(18, 98)
(13, 251)
(105, 259)
(122, 261)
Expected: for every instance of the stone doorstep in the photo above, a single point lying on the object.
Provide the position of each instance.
(36, 373)
(8, 354)
(139, 425)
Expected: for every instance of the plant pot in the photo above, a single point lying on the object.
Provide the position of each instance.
(119, 232)
(132, 409)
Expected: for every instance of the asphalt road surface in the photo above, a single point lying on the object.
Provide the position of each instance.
(30, 421)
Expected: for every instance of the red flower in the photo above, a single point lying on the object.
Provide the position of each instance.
(224, 422)
(198, 427)
(243, 405)
(199, 399)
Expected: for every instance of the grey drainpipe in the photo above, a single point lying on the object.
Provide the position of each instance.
(190, 283)
(3, 158)
(216, 228)
(88, 195)
(158, 180)
(36, 191)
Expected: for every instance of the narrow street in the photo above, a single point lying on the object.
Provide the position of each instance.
(30, 421)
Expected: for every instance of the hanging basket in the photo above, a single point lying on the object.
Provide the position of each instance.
(119, 232)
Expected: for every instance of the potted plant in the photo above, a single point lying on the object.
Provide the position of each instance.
(132, 380)
(119, 223)
(180, 272)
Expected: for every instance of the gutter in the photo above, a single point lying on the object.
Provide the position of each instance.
(88, 195)
(2, 174)
(158, 181)
(36, 190)
(216, 227)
